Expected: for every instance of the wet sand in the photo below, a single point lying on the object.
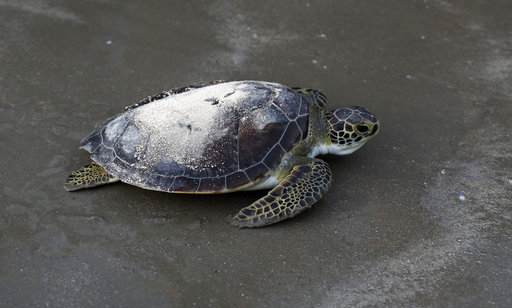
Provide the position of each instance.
(420, 216)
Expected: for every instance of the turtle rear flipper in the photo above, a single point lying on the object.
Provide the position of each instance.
(304, 186)
(89, 176)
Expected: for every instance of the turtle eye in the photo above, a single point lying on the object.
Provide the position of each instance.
(362, 128)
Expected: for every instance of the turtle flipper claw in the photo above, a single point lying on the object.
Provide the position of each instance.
(304, 186)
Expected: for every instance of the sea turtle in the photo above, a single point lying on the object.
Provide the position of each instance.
(221, 137)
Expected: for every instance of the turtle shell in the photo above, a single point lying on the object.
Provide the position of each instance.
(210, 138)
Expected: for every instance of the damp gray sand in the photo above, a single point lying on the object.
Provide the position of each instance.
(393, 230)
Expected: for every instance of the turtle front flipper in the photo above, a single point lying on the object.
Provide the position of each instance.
(304, 186)
(89, 176)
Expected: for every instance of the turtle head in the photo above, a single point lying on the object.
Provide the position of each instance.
(350, 128)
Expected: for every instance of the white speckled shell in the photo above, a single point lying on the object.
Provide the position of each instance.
(209, 139)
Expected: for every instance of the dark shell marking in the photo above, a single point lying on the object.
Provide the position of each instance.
(165, 94)
(202, 138)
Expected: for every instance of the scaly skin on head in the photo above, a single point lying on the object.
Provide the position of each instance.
(349, 129)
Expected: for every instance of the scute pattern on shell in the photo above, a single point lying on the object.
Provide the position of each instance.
(212, 138)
